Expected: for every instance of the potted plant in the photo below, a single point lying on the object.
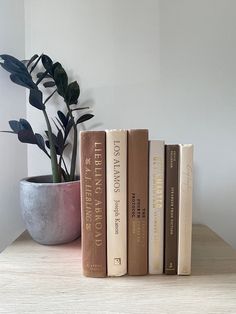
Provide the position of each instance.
(50, 204)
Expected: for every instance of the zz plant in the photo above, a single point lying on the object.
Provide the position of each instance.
(54, 78)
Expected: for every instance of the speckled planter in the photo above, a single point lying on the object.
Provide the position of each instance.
(51, 211)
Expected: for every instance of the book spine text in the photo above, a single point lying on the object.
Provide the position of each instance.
(156, 206)
(116, 151)
(137, 202)
(171, 208)
(93, 202)
(185, 209)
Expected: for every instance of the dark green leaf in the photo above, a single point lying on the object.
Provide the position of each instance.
(72, 93)
(40, 142)
(13, 62)
(43, 74)
(61, 80)
(84, 118)
(58, 152)
(10, 67)
(60, 142)
(54, 140)
(60, 123)
(27, 136)
(49, 84)
(62, 117)
(47, 63)
(69, 127)
(23, 80)
(36, 99)
(47, 144)
(15, 126)
(21, 125)
(25, 125)
(32, 60)
(56, 64)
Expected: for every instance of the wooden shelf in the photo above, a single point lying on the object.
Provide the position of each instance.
(47, 279)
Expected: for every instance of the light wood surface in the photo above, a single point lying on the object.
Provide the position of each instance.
(47, 279)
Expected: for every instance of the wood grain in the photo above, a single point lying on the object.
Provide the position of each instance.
(47, 279)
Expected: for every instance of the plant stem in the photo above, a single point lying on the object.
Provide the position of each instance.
(61, 159)
(67, 173)
(74, 150)
(74, 154)
(42, 77)
(47, 154)
(80, 108)
(55, 170)
(50, 96)
(35, 64)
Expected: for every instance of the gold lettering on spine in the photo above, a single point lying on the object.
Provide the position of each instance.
(173, 160)
(116, 184)
(157, 188)
(116, 166)
(172, 202)
(98, 189)
(88, 195)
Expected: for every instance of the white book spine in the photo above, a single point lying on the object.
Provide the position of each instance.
(185, 209)
(116, 166)
(156, 206)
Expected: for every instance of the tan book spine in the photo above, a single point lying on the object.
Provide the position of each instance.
(156, 206)
(93, 202)
(137, 202)
(171, 208)
(185, 209)
(116, 152)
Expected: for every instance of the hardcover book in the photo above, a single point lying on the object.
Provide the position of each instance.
(93, 202)
(116, 152)
(185, 209)
(156, 206)
(137, 201)
(171, 207)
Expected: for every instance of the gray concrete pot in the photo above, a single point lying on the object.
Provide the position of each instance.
(51, 211)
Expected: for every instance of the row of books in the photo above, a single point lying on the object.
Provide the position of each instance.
(136, 203)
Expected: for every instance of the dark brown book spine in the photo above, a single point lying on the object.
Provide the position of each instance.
(171, 207)
(93, 202)
(137, 202)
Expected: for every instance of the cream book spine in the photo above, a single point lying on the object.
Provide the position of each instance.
(116, 163)
(156, 206)
(185, 209)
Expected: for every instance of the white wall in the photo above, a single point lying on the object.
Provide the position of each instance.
(167, 65)
(198, 77)
(13, 155)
